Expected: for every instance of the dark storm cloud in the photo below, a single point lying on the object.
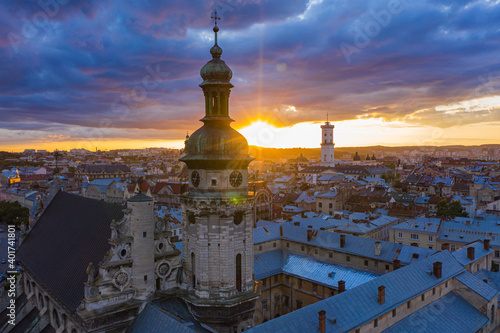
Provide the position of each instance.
(135, 64)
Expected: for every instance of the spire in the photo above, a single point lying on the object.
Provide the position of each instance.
(216, 28)
(216, 84)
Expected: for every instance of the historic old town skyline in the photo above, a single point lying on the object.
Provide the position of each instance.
(87, 74)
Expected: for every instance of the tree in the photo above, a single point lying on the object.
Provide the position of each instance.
(13, 213)
(390, 177)
(453, 209)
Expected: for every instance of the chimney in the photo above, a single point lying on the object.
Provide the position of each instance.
(381, 294)
(341, 287)
(378, 248)
(445, 246)
(309, 234)
(470, 253)
(342, 240)
(310, 226)
(486, 244)
(296, 224)
(415, 256)
(436, 268)
(396, 264)
(322, 321)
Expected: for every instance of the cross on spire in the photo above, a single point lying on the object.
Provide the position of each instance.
(215, 17)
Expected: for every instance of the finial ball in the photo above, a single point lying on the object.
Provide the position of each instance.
(216, 29)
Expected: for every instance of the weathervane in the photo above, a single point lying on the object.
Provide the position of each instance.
(216, 28)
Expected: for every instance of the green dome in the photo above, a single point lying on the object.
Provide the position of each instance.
(216, 71)
(217, 145)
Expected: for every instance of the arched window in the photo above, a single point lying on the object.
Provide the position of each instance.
(55, 318)
(238, 272)
(193, 269)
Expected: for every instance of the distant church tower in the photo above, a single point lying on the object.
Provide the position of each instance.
(217, 211)
(327, 144)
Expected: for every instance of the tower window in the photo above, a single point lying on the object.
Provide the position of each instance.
(193, 272)
(145, 278)
(238, 272)
(144, 234)
(214, 182)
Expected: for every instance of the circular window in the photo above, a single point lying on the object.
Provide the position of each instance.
(160, 246)
(163, 269)
(121, 279)
(123, 253)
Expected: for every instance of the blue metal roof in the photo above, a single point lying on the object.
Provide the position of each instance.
(421, 224)
(489, 277)
(450, 313)
(154, 319)
(359, 305)
(479, 287)
(355, 245)
(479, 252)
(308, 268)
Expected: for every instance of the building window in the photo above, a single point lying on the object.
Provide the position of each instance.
(332, 292)
(452, 248)
(366, 262)
(214, 182)
(260, 247)
(264, 282)
(423, 297)
(315, 287)
(375, 322)
(274, 244)
(414, 236)
(330, 205)
(303, 248)
(193, 270)
(287, 278)
(264, 305)
(446, 284)
(386, 267)
(431, 238)
(400, 235)
(276, 278)
(238, 272)
(497, 253)
(144, 234)
(429, 247)
(320, 204)
(394, 313)
(347, 258)
(408, 305)
(434, 291)
(286, 300)
(287, 244)
(316, 251)
(300, 283)
(330, 254)
(299, 304)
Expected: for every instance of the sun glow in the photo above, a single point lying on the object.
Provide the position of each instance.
(368, 132)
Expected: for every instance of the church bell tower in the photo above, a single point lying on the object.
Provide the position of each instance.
(217, 211)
